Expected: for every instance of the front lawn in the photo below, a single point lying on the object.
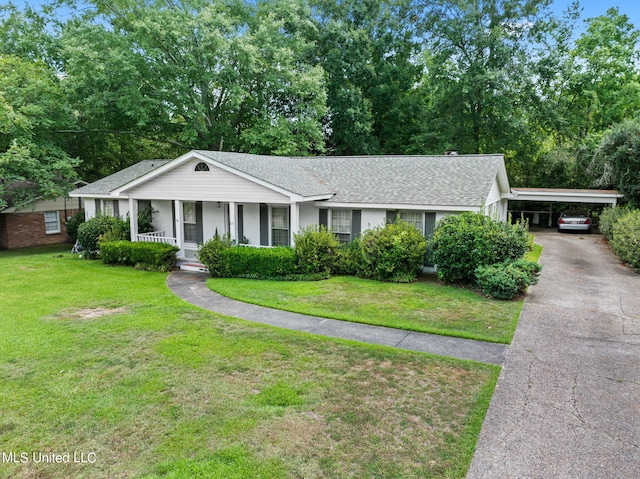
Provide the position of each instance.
(107, 363)
(426, 306)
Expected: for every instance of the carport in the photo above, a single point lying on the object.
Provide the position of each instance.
(560, 195)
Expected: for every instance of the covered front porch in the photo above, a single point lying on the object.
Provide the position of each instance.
(186, 224)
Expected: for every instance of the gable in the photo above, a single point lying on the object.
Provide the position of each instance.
(184, 183)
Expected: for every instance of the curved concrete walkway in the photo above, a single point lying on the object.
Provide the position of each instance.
(567, 404)
(192, 288)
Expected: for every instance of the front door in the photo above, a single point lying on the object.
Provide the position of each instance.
(192, 221)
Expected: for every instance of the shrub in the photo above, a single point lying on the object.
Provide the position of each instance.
(394, 252)
(73, 224)
(625, 240)
(508, 279)
(461, 243)
(348, 258)
(141, 254)
(259, 263)
(608, 218)
(210, 254)
(316, 250)
(90, 232)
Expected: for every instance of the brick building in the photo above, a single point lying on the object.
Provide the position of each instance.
(40, 223)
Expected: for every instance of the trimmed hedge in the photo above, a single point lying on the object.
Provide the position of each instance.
(225, 260)
(462, 243)
(625, 240)
(141, 254)
(508, 279)
(260, 262)
(609, 217)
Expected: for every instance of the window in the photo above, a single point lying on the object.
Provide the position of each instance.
(51, 222)
(280, 226)
(413, 218)
(107, 207)
(189, 219)
(341, 224)
(201, 167)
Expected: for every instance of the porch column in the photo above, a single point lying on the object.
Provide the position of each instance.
(550, 221)
(133, 218)
(294, 222)
(233, 231)
(179, 230)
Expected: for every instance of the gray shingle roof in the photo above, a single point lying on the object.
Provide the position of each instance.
(452, 180)
(106, 185)
(455, 180)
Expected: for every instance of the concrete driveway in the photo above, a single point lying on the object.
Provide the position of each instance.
(567, 404)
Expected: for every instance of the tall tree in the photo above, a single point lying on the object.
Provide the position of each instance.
(605, 88)
(368, 51)
(478, 77)
(32, 163)
(213, 75)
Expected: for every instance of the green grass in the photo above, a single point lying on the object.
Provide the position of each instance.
(106, 360)
(426, 306)
(534, 255)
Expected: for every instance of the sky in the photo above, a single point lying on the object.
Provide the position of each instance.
(591, 8)
(595, 8)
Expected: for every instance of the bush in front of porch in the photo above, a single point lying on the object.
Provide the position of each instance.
(141, 254)
(393, 253)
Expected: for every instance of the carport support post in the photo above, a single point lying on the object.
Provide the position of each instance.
(550, 221)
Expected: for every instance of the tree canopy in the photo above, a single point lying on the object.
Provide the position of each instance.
(123, 80)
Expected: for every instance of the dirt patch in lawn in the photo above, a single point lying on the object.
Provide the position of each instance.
(90, 313)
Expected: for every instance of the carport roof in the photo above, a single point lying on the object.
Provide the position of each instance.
(565, 195)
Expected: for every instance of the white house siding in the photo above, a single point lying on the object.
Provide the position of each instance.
(251, 223)
(163, 216)
(186, 184)
(372, 218)
(39, 206)
(494, 193)
(212, 218)
(309, 215)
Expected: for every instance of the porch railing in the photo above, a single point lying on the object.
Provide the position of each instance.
(156, 237)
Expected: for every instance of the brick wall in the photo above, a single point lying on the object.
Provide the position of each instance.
(18, 230)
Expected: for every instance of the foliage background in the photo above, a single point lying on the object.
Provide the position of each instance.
(122, 80)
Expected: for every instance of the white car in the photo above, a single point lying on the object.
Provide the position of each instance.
(574, 220)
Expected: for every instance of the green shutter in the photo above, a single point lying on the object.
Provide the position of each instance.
(173, 216)
(356, 224)
(264, 224)
(199, 228)
(116, 208)
(323, 217)
(240, 222)
(429, 223)
(391, 216)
